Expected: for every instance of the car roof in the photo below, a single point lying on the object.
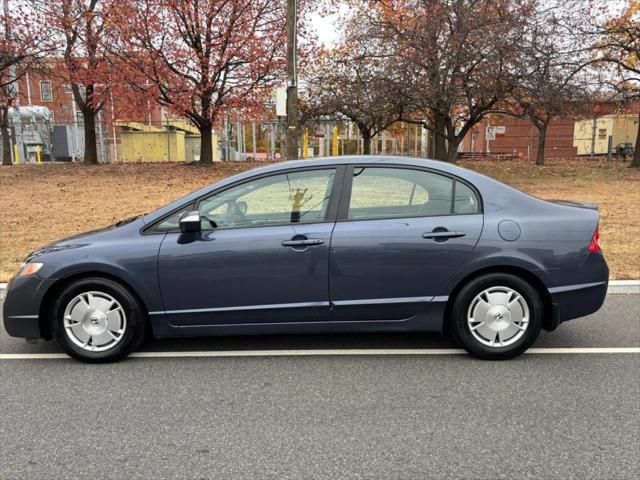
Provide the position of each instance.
(356, 159)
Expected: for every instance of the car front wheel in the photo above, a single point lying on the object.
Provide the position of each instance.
(497, 316)
(97, 320)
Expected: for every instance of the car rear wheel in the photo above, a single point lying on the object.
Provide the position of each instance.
(97, 320)
(497, 316)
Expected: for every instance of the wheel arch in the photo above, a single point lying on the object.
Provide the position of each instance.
(51, 294)
(526, 275)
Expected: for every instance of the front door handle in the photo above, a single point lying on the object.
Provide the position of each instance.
(307, 242)
(443, 234)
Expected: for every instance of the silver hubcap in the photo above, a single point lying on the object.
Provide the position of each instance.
(95, 321)
(498, 317)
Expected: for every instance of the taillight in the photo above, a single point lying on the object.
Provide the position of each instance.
(594, 246)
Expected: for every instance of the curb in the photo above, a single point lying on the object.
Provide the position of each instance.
(616, 287)
(624, 287)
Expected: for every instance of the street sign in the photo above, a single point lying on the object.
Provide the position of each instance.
(490, 133)
(280, 94)
(493, 130)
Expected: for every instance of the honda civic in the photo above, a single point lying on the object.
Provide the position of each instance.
(340, 244)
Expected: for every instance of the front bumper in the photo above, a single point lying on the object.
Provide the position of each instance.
(21, 310)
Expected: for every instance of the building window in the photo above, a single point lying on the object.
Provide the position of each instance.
(46, 95)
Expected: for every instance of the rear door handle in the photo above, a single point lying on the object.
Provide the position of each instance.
(446, 234)
(308, 242)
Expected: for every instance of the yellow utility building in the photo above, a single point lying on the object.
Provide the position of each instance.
(592, 136)
(175, 141)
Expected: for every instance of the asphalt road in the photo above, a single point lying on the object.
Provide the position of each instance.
(539, 416)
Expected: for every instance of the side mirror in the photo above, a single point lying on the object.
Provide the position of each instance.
(190, 222)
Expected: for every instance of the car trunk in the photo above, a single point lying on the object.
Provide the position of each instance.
(576, 203)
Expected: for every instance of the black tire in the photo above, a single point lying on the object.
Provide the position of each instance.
(461, 331)
(134, 333)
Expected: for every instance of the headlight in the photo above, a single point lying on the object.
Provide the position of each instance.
(29, 268)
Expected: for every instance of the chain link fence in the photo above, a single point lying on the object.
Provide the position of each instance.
(40, 139)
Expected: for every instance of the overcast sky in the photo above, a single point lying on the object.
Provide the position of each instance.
(328, 35)
(325, 29)
(325, 26)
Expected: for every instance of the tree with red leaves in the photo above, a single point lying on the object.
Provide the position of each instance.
(23, 44)
(85, 30)
(203, 58)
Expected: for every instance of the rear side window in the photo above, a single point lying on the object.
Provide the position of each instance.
(466, 200)
(399, 192)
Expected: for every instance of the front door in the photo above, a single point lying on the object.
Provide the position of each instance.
(261, 257)
(403, 235)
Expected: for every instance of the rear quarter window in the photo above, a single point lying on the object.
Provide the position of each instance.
(466, 201)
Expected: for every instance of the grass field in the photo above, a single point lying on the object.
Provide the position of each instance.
(42, 203)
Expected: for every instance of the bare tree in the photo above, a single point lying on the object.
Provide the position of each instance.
(356, 80)
(455, 57)
(552, 75)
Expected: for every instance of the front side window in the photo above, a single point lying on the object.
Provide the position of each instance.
(46, 95)
(288, 198)
(399, 192)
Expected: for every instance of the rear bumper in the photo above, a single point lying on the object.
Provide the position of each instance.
(574, 301)
(21, 310)
(579, 291)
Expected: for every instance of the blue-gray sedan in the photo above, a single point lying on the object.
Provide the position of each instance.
(341, 244)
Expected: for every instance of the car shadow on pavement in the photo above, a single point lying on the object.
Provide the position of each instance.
(302, 342)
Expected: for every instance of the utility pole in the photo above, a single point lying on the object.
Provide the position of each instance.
(291, 133)
(253, 138)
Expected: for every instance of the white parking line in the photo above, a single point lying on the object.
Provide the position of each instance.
(327, 352)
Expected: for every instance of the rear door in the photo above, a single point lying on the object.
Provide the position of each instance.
(401, 234)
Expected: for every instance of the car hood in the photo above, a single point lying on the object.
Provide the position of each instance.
(83, 239)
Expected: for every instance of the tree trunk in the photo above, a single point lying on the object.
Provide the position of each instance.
(635, 161)
(452, 151)
(366, 142)
(4, 131)
(440, 150)
(206, 145)
(542, 140)
(90, 148)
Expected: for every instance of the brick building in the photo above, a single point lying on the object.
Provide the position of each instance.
(36, 88)
(518, 137)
